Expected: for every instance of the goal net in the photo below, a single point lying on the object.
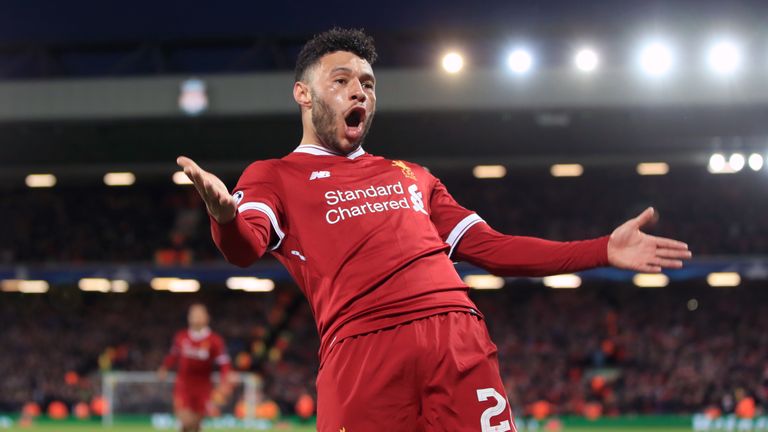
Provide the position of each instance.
(143, 396)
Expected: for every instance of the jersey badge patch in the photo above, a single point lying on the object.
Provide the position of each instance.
(407, 171)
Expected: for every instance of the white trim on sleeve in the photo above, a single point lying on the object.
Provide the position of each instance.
(222, 359)
(267, 210)
(460, 229)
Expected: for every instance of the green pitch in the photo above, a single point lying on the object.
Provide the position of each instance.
(90, 428)
(567, 424)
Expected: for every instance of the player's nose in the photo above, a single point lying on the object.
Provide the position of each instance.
(358, 94)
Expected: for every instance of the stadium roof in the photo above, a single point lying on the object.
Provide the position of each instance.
(43, 41)
(96, 38)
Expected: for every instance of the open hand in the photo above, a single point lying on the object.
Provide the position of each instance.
(221, 205)
(631, 249)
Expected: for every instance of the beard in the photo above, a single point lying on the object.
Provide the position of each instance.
(324, 120)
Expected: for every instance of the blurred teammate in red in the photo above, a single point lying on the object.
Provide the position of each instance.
(194, 353)
(371, 241)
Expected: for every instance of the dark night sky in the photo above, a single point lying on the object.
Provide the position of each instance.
(24, 21)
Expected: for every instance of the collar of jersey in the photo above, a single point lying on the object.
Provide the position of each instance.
(322, 151)
(199, 334)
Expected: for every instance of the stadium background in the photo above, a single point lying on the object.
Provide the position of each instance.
(548, 150)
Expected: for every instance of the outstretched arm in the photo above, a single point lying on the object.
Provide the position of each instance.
(627, 248)
(506, 255)
(242, 240)
(220, 204)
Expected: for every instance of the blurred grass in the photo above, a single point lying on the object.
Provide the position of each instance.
(137, 428)
(132, 428)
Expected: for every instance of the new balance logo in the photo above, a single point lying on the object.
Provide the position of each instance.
(319, 175)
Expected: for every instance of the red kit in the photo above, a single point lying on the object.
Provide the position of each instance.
(371, 242)
(195, 355)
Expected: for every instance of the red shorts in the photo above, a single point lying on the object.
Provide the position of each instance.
(439, 373)
(192, 398)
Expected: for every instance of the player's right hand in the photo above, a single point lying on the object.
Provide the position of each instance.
(221, 205)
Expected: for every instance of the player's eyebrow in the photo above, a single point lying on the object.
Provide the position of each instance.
(341, 69)
(364, 76)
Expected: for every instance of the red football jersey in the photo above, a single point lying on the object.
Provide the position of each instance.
(367, 239)
(370, 240)
(195, 354)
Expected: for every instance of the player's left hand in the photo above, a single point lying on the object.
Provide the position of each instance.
(631, 249)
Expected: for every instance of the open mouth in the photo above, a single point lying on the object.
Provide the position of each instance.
(355, 118)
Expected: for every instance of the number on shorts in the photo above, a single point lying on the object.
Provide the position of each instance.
(485, 418)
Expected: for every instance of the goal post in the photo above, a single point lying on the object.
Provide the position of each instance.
(135, 394)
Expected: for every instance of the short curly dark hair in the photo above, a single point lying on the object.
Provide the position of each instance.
(355, 41)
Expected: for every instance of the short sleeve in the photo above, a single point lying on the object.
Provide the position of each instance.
(257, 191)
(451, 219)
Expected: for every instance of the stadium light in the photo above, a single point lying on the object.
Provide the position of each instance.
(41, 180)
(650, 280)
(33, 286)
(520, 61)
(724, 279)
(161, 284)
(716, 163)
(724, 58)
(175, 285)
(9, 285)
(736, 162)
(94, 285)
(250, 284)
(24, 286)
(566, 170)
(184, 286)
(484, 282)
(453, 62)
(652, 168)
(756, 161)
(119, 286)
(586, 60)
(719, 165)
(489, 171)
(656, 59)
(181, 179)
(563, 281)
(119, 179)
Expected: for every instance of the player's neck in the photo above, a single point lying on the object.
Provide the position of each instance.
(200, 332)
(310, 139)
(330, 149)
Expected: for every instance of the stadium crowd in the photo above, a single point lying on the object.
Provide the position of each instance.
(675, 350)
(628, 350)
(623, 349)
(168, 223)
(66, 338)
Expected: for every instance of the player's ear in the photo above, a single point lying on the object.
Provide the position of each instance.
(302, 95)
